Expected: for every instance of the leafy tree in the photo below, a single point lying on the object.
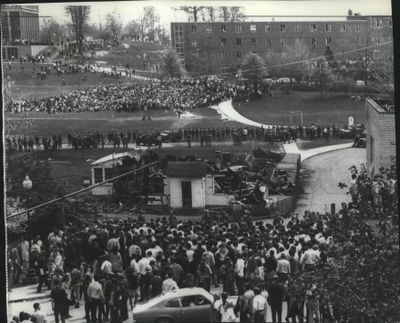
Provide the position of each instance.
(321, 75)
(328, 53)
(44, 189)
(193, 12)
(292, 62)
(79, 17)
(133, 30)
(114, 24)
(253, 68)
(171, 67)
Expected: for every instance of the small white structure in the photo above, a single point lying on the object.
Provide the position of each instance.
(188, 186)
(360, 83)
(102, 170)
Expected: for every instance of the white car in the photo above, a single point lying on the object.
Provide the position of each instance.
(183, 305)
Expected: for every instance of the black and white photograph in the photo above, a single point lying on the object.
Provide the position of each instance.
(200, 161)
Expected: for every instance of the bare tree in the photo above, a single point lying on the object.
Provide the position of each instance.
(210, 14)
(151, 18)
(224, 13)
(236, 14)
(231, 13)
(79, 16)
(192, 12)
(52, 31)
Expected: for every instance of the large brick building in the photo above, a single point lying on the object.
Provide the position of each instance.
(381, 134)
(212, 47)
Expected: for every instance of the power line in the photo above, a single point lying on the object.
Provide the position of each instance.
(81, 191)
(306, 60)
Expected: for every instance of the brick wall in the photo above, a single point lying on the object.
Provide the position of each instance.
(381, 142)
(210, 48)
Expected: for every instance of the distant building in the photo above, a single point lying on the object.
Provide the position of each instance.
(214, 47)
(381, 135)
(20, 28)
(20, 23)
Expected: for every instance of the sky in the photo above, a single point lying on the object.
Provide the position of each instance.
(129, 10)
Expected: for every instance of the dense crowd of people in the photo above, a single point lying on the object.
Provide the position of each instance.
(121, 139)
(182, 94)
(109, 266)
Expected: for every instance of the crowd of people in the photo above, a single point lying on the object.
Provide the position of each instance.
(182, 94)
(109, 266)
(121, 139)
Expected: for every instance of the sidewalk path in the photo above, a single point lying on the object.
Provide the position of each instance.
(227, 111)
(321, 176)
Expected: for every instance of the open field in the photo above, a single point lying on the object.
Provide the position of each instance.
(335, 108)
(28, 85)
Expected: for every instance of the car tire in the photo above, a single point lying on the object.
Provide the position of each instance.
(164, 320)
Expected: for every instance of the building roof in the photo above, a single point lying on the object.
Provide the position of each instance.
(191, 169)
(381, 105)
(117, 158)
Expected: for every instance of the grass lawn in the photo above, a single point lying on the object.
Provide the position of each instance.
(86, 122)
(310, 144)
(27, 85)
(134, 54)
(334, 108)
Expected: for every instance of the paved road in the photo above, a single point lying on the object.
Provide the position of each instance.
(321, 176)
(78, 315)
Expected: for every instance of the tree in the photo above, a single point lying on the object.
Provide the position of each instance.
(321, 75)
(192, 12)
(224, 13)
(150, 17)
(51, 31)
(133, 30)
(171, 66)
(231, 13)
(328, 54)
(79, 17)
(253, 68)
(292, 62)
(236, 14)
(113, 24)
(209, 14)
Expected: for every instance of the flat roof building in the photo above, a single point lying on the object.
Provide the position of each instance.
(19, 22)
(217, 47)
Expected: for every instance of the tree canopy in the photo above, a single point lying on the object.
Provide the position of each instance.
(171, 67)
(253, 68)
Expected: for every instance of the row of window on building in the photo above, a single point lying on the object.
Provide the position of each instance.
(283, 41)
(297, 27)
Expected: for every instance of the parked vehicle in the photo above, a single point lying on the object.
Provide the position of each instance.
(183, 305)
